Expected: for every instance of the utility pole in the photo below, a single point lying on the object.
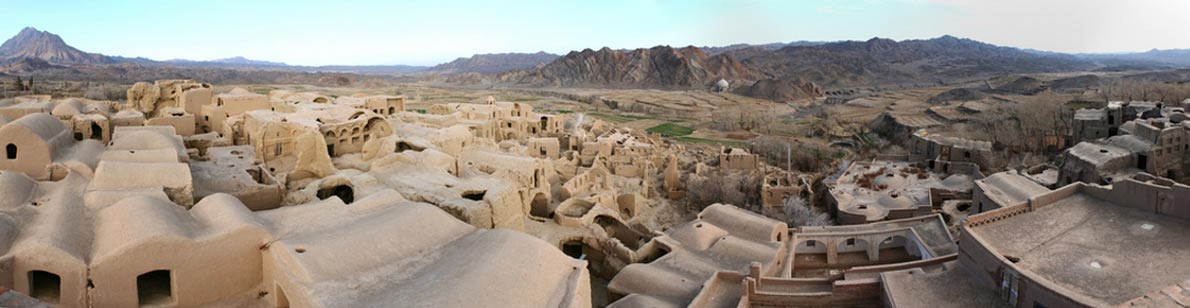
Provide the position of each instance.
(788, 157)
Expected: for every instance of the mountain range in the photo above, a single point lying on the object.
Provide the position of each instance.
(31, 43)
(1175, 57)
(883, 61)
(788, 69)
(494, 63)
(657, 67)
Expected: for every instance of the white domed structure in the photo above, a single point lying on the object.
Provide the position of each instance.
(722, 85)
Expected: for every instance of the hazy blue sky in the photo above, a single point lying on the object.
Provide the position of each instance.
(430, 32)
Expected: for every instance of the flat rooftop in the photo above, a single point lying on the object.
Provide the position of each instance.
(942, 286)
(1103, 251)
(1009, 187)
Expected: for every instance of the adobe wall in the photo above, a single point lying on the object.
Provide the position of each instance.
(183, 125)
(1155, 195)
(31, 154)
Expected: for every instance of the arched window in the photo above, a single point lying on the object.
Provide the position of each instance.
(11, 151)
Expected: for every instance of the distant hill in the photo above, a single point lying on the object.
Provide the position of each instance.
(884, 61)
(768, 47)
(33, 43)
(228, 61)
(17, 55)
(781, 90)
(1076, 83)
(657, 67)
(494, 63)
(838, 64)
(241, 63)
(778, 70)
(1176, 57)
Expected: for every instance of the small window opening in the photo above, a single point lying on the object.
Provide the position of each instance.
(475, 195)
(154, 288)
(45, 286)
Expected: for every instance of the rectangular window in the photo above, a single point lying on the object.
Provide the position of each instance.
(154, 288)
(45, 286)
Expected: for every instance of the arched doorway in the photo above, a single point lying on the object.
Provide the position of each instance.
(10, 151)
(96, 131)
(540, 206)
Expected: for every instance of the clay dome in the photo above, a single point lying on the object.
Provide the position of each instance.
(889, 181)
(722, 84)
(957, 181)
(1177, 118)
(68, 108)
(897, 202)
(239, 90)
(16, 189)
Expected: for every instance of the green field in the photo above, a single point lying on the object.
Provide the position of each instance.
(737, 144)
(618, 118)
(670, 130)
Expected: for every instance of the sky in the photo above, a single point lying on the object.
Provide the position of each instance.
(376, 32)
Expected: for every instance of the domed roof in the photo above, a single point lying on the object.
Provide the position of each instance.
(889, 181)
(958, 182)
(44, 125)
(68, 108)
(1177, 118)
(722, 83)
(16, 188)
(1151, 114)
(895, 202)
(873, 213)
(239, 90)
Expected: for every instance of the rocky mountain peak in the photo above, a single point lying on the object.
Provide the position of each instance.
(33, 43)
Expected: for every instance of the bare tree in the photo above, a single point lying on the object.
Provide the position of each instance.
(799, 214)
(1042, 120)
(741, 189)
